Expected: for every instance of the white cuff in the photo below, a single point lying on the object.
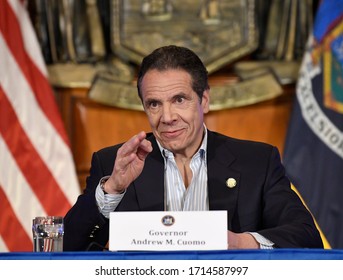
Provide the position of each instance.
(264, 242)
(107, 202)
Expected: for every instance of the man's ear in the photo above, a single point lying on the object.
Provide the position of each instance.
(205, 101)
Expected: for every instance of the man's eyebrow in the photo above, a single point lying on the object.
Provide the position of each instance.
(149, 100)
(154, 99)
(181, 94)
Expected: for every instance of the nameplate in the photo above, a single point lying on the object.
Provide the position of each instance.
(170, 231)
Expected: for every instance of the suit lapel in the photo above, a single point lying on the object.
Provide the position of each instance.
(219, 164)
(150, 184)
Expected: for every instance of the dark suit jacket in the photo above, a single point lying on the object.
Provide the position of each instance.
(262, 201)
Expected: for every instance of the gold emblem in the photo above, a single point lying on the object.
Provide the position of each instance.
(231, 183)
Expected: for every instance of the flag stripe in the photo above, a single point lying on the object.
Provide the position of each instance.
(17, 189)
(11, 30)
(36, 125)
(34, 169)
(3, 246)
(32, 47)
(9, 224)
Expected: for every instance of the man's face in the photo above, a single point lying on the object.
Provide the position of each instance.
(174, 110)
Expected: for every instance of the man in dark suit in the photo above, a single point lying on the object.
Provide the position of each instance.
(182, 166)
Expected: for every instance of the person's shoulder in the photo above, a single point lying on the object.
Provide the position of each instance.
(109, 149)
(237, 141)
(237, 144)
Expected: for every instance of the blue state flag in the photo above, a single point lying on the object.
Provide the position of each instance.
(313, 154)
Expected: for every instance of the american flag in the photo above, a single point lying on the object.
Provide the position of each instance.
(37, 172)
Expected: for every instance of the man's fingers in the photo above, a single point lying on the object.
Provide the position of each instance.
(146, 146)
(132, 144)
(144, 149)
(137, 146)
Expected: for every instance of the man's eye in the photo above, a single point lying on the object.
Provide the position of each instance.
(153, 104)
(180, 99)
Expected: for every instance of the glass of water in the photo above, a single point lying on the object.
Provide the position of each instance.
(48, 234)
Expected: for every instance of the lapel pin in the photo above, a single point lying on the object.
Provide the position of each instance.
(231, 183)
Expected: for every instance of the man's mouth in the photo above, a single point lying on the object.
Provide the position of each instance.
(172, 133)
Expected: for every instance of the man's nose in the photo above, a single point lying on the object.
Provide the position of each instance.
(168, 114)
